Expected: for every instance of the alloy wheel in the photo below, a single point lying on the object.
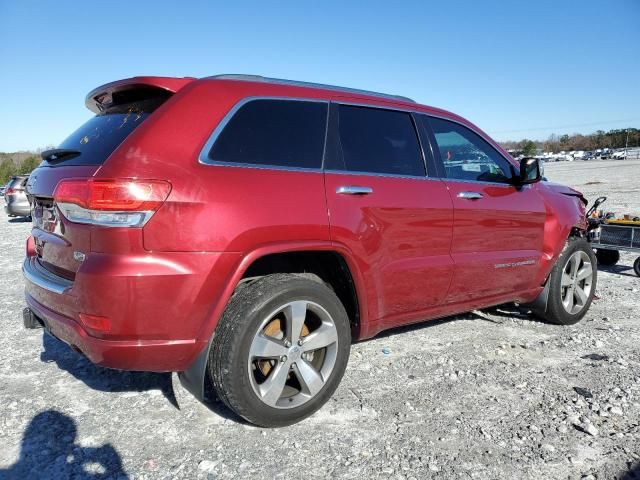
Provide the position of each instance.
(576, 282)
(293, 354)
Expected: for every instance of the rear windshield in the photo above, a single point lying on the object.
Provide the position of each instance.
(101, 135)
(16, 182)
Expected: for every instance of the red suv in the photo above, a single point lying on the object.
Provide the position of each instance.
(247, 230)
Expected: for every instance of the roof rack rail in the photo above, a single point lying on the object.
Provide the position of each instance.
(295, 83)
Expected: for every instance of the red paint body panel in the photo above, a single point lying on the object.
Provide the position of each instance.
(414, 249)
(153, 355)
(400, 238)
(497, 242)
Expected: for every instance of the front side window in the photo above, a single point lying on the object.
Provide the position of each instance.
(374, 140)
(285, 133)
(466, 155)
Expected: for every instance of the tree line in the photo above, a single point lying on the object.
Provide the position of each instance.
(557, 143)
(9, 168)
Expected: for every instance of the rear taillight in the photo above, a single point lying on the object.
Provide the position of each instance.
(10, 191)
(110, 203)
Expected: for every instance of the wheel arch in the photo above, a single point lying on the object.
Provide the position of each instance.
(309, 257)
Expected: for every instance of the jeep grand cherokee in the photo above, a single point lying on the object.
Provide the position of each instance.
(247, 230)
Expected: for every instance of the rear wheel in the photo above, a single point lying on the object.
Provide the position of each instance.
(572, 283)
(280, 349)
(636, 266)
(607, 257)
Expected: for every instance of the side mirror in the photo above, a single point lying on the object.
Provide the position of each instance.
(531, 170)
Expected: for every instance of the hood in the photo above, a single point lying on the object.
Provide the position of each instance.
(564, 190)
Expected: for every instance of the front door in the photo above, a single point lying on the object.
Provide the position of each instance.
(498, 227)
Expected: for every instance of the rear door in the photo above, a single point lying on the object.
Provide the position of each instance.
(498, 227)
(384, 208)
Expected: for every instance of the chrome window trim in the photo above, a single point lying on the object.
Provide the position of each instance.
(494, 184)
(204, 159)
(384, 175)
(259, 166)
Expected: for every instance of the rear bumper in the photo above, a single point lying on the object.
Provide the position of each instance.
(141, 355)
(157, 306)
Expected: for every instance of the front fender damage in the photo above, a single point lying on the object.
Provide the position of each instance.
(565, 217)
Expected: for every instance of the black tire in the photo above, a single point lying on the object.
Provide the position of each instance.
(636, 266)
(556, 311)
(607, 257)
(230, 353)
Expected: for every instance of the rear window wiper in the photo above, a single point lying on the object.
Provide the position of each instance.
(57, 155)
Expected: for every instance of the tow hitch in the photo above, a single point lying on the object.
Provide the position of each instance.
(30, 320)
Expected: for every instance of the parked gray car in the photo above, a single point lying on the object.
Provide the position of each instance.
(15, 197)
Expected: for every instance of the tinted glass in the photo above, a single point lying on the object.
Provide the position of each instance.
(102, 134)
(99, 137)
(467, 156)
(17, 182)
(378, 141)
(284, 133)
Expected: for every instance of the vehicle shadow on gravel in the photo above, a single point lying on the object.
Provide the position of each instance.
(49, 450)
(633, 473)
(498, 314)
(108, 380)
(104, 379)
(20, 220)
(618, 270)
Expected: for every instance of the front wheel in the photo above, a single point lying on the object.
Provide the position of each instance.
(572, 283)
(280, 349)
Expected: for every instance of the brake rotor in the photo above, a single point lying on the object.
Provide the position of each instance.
(274, 329)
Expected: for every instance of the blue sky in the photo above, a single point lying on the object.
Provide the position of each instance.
(517, 69)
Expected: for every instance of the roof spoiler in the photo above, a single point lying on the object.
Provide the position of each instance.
(101, 98)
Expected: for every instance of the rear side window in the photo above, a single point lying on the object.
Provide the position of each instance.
(284, 133)
(97, 139)
(467, 156)
(374, 140)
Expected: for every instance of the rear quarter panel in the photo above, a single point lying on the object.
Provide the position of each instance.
(216, 208)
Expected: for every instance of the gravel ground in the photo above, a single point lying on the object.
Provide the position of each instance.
(487, 395)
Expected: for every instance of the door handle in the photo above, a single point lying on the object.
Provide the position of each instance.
(354, 190)
(470, 195)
